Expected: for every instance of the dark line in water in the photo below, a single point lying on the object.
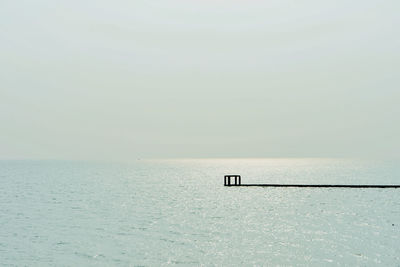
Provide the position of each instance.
(319, 185)
(238, 182)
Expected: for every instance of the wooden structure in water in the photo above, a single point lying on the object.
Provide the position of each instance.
(227, 180)
(238, 182)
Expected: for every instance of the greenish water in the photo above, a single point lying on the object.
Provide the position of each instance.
(152, 213)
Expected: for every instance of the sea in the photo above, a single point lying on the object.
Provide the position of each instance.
(178, 212)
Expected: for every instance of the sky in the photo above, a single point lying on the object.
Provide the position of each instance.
(122, 80)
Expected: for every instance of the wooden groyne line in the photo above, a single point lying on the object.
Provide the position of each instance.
(227, 182)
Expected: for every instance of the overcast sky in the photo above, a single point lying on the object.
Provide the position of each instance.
(208, 78)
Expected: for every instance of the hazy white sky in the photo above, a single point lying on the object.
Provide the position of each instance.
(171, 78)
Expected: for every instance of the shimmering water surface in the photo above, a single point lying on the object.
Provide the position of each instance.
(151, 213)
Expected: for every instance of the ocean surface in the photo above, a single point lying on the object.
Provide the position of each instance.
(177, 212)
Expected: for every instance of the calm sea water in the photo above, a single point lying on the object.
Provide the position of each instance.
(152, 213)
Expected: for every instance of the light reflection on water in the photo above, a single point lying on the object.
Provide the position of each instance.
(179, 212)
